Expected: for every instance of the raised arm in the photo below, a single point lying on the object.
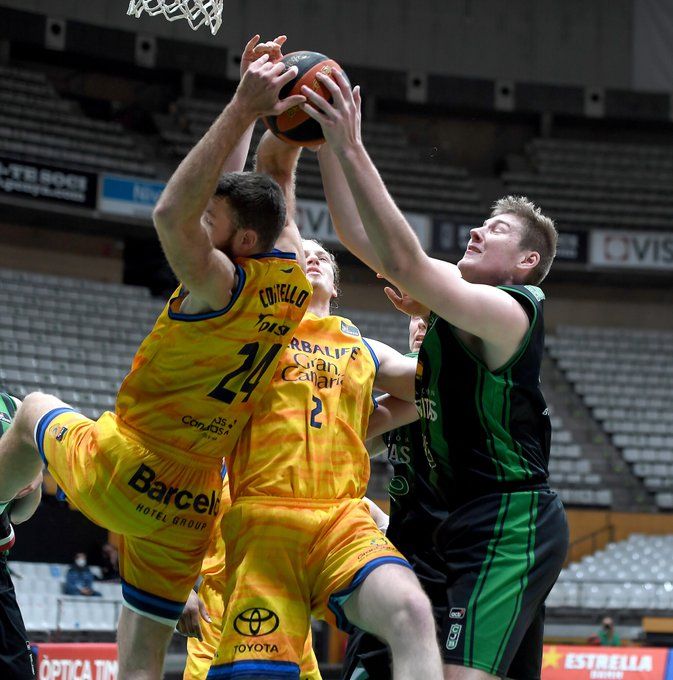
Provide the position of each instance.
(279, 160)
(344, 212)
(178, 217)
(390, 414)
(484, 311)
(396, 373)
(235, 162)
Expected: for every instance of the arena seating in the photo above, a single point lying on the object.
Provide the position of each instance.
(44, 608)
(416, 185)
(72, 337)
(587, 183)
(630, 576)
(629, 394)
(37, 124)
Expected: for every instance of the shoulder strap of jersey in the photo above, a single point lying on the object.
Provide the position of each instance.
(532, 294)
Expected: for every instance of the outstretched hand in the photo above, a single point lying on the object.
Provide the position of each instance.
(340, 120)
(254, 50)
(404, 302)
(259, 88)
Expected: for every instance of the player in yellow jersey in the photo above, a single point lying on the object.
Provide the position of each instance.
(299, 538)
(201, 620)
(151, 471)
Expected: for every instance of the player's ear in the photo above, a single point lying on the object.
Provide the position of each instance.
(529, 260)
(247, 241)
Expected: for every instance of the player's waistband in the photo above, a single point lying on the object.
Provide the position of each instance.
(497, 490)
(293, 502)
(188, 458)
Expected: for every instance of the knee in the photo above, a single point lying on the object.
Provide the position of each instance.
(33, 407)
(413, 612)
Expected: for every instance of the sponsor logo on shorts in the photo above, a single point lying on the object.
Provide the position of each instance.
(4, 418)
(256, 622)
(241, 648)
(454, 636)
(264, 324)
(457, 613)
(377, 545)
(58, 432)
(144, 480)
(380, 540)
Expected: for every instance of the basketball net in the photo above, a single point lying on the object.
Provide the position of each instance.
(197, 12)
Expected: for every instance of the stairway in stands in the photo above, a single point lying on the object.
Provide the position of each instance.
(628, 493)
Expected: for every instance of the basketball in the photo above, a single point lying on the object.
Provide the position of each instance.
(294, 126)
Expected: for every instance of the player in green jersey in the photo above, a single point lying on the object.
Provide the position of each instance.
(484, 421)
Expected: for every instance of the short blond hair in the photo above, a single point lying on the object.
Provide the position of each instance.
(539, 232)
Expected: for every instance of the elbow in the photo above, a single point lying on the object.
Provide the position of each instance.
(164, 217)
(400, 265)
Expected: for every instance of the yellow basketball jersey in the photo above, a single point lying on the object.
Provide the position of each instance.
(196, 378)
(305, 440)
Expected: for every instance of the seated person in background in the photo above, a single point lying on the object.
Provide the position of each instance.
(606, 636)
(109, 563)
(79, 579)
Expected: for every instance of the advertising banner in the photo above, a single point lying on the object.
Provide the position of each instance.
(77, 661)
(129, 196)
(603, 663)
(314, 221)
(137, 197)
(27, 179)
(632, 249)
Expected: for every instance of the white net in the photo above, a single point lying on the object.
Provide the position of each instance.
(197, 12)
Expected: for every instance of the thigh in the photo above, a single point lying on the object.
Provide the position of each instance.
(350, 548)
(503, 554)
(267, 614)
(16, 657)
(142, 643)
(527, 662)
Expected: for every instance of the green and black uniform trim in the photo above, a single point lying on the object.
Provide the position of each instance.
(16, 658)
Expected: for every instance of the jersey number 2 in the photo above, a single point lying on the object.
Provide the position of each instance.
(253, 374)
(316, 412)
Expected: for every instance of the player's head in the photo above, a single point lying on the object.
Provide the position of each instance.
(246, 214)
(321, 270)
(417, 329)
(516, 244)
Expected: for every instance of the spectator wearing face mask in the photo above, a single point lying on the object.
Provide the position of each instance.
(79, 579)
(607, 635)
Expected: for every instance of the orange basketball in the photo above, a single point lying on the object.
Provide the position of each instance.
(294, 126)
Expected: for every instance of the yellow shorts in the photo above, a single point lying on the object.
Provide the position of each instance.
(162, 503)
(286, 561)
(200, 653)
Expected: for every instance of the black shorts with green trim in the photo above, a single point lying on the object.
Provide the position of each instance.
(487, 573)
(503, 553)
